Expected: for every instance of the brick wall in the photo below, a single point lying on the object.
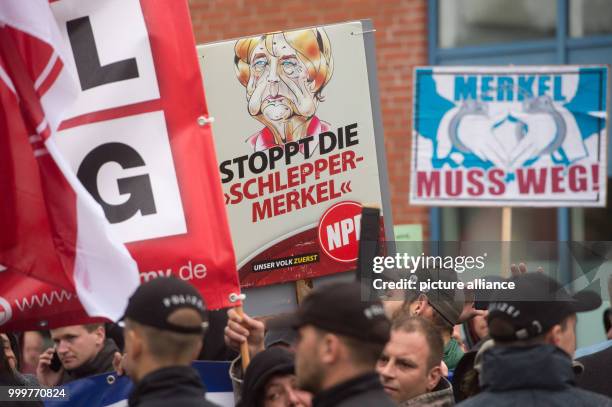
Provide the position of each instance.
(401, 43)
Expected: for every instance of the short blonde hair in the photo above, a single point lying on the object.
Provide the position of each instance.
(311, 45)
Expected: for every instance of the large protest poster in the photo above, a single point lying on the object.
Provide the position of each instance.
(138, 140)
(510, 136)
(299, 142)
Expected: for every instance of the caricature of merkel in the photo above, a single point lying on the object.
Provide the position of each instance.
(284, 75)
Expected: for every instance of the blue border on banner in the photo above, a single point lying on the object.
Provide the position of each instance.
(96, 391)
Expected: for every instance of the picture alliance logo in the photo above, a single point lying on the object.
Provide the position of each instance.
(6, 313)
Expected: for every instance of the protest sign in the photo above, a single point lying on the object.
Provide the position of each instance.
(106, 390)
(510, 136)
(299, 142)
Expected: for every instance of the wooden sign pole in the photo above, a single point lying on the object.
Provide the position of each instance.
(302, 289)
(506, 236)
(245, 356)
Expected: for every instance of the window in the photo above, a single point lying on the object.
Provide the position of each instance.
(590, 17)
(598, 221)
(478, 22)
(528, 224)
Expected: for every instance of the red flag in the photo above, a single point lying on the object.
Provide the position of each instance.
(139, 140)
(51, 228)
(150, 105)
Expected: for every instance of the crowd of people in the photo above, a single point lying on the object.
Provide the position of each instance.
(337, 349)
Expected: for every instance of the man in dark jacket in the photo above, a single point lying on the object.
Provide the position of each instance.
(164, 323)
(83, 351)
(534, 328)
(340, 338)
(596, 374)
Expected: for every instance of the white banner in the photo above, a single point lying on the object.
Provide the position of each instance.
(510, 136)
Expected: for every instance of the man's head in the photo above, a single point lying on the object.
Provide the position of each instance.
(33, 343)
(163, 324)
(440, 311)
(270, 381)
(78, 344)
(281, 336)
(284, 73)
(410, 363)
(339, 336)
(442, 307)
(282, 391)
(538, 310)
(321, 355)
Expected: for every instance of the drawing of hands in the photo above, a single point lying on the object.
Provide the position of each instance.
(474, 133)
(512, 138)
(541, 134)
(545, 133)
(470, 131)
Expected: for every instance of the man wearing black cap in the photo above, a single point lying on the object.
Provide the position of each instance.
(164, 323)
(534, 328)
(443, 308)
(340, 338)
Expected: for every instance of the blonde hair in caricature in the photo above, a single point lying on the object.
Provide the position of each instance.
(284, 75)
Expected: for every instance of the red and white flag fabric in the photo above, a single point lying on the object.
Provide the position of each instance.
(52, 232)
(139, 140)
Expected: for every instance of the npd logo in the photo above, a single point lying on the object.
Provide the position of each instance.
(5, 311)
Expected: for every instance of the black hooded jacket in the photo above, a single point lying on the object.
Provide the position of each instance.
(597, 370)
(540, 375)
(170, 387)
(265, 365)
(363, 391)
(101, 363)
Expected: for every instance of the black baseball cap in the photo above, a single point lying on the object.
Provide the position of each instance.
(483, 296)
(447, 302)
(279, 336)
(154, 301)
(535, 305)
(339, 308)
